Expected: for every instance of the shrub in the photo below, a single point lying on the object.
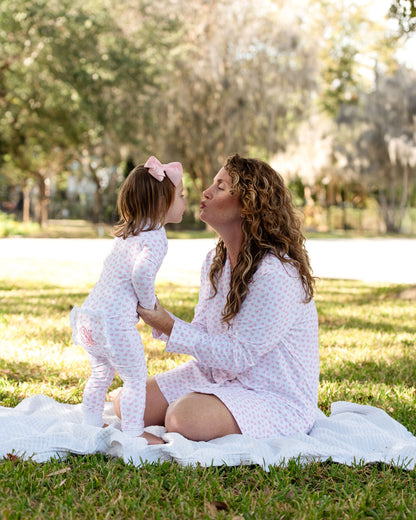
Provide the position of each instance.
(10, 227)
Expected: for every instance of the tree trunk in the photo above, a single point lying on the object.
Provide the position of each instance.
(404, 197)
(98, 196)
(98, 205)
(26, 203)
(43, 185)
(388, 213)
(345, 199)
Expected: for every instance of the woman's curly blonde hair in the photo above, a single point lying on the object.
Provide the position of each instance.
(270, 224)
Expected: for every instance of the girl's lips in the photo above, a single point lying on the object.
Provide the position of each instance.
(202, 205)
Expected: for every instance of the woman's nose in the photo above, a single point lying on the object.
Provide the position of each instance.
(206, 193)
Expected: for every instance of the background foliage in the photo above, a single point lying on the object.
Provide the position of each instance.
(89, 88)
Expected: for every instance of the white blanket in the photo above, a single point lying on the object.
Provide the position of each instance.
(41, 428)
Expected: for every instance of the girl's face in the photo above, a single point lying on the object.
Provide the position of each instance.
(176, 209)
(220, 208)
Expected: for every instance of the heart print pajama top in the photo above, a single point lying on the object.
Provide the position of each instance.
(265, 366)
(105, 326)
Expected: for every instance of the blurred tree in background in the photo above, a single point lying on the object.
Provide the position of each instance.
(71, 74)
(89, 88)
(240, 80)
(404, 11)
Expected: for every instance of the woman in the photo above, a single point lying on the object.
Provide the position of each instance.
(254, 337)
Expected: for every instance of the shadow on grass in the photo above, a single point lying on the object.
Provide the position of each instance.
(25, 372)
(353, 323)
(35, 301)
(396, 371)
(30, 299)
(357, 292)
(7, 286)
(349, 305)
(390, 400)
(9, 398)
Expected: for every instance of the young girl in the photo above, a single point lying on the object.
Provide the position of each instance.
(105, 325)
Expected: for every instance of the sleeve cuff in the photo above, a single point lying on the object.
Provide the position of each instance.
(183, 338)
(156, 334)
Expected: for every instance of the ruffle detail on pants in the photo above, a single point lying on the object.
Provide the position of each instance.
(89, 330)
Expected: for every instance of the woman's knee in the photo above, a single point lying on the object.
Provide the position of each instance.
(178, 419)
(200, 417)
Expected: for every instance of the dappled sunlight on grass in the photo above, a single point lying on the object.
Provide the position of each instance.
(367, 337)
(398, 399)
(37, 354)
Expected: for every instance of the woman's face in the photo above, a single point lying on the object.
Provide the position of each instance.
(220, 209)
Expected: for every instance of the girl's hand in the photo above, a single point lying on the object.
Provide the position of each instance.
(158, 318)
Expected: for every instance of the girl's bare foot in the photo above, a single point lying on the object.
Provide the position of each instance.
(152, 439)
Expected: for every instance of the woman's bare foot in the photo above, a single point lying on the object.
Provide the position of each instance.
(152, 439)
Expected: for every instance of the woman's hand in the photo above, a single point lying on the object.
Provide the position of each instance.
(158, 318)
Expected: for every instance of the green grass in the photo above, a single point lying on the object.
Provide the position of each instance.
(367, 338)
(71, 228)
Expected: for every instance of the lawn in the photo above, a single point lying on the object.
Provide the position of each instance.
(72, 228)
(367, 343)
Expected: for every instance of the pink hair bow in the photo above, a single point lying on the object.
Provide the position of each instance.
(159, 171)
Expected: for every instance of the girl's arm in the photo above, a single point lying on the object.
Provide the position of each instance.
(146, 266)
(163, 321)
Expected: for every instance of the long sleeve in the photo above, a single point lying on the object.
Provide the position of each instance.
(146, 266)
(203, 294)
(265, 319)
(265, 366)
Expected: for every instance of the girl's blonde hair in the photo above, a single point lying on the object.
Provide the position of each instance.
(142, 202)
(270, 224)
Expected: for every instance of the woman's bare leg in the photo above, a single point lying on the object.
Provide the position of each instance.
(200, 417)
(156, 404)
(155, 410)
